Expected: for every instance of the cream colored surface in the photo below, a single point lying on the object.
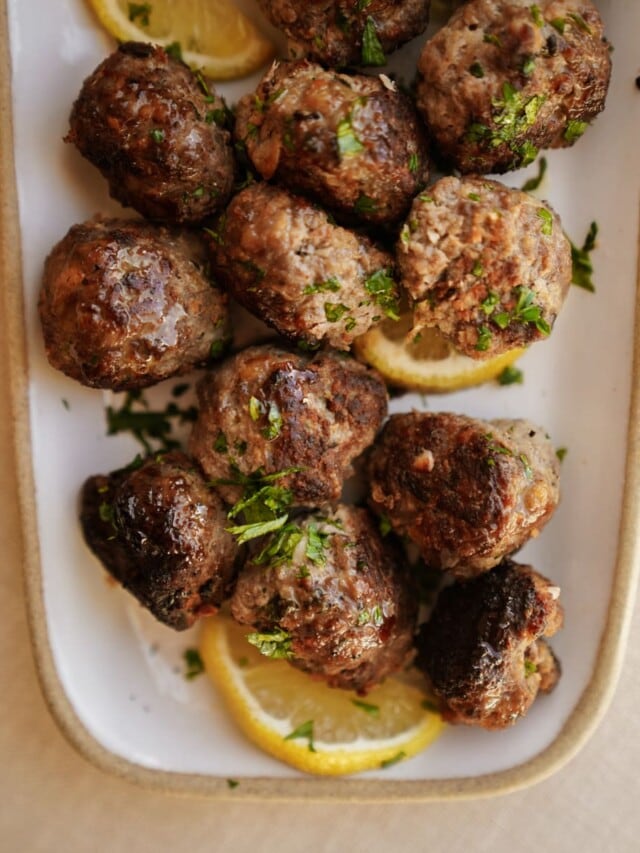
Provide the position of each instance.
(51, 799)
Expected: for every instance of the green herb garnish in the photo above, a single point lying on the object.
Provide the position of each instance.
(574, 130)
(547, 221)
(157, 135)
(561, 453)
(146, 426)
(304, 731)
(581, 260)
(511, 376)
(536, 14)
(194, 664)
(372, 52)
(330, 285)
(484, 339)
(476, 70)
(533, 183)
(140, 11)
(174, 50)
(364, 204)
(382, 287)
(348, 143)
(367, 707)
(391, 761)
(272, 644)
(335, 311)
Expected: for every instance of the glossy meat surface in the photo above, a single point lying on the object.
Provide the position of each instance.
(125, 304)
(482, 649)
(151, 127)
(467, 492)
(159, 529)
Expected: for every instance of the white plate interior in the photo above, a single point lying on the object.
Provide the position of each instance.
(120, 670)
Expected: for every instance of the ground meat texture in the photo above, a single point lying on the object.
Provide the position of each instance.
(151, 127)
(487, 265)
(353, 143)
(311, 280)
(269, 409)
(160, 531)
(482, 648)
(333, 31)
(125, 304)
(467, 492)
(504, 79)
(335, 596)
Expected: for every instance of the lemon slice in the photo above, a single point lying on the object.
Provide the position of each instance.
(425, 362)
(214, 36)
(303, 722)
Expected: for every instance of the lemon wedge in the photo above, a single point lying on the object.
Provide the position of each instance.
(426, 361)
(301, 721)
(213, 35)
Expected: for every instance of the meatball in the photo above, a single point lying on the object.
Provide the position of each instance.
(150, 126)
(467, 492)
(287, 263)
(125, 304)
(268, 410)
(505, 78)
(343, 32)
(482, 648)
(488, 265)
(334, 598)
(352, 143)
(159, 529)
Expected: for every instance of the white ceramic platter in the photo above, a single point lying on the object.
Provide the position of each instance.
(110, 676)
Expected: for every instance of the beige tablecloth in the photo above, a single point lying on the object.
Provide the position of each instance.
(51, 799)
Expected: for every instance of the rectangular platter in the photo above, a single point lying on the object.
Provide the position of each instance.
(107, 673)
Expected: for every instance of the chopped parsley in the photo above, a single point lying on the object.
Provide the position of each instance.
(232, 783)
(389, 762)
(263, 506)
(529, 668)
(414, 162)
(141, 12)
(348, 143)
(581, 260)
(304, 731)
(372, 52)
(174, 50)
(513, 115)
(558, 24)
(525, 311)
(280, 546)
(382, 287)
(478, 269)
(384, 525)
(157, 134)
(547, 221)
(490, 38)
(484, 339)
(316, 544)
(476, 70)
(561, 453)
(511, 376)
(365, 204)
(473, 196)
(331, 284)
(536, 14)
(335, 311)
(194, 664)
(275, 422)
(367, 707)
(256, 409)
(220, 444)
(533, 183)
(272, 644)
(574, 130)
(146, 426)
(580, 22)
(528, 65)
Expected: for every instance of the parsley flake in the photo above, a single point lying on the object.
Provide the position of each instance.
(389, 762)
(141, 12)
(330, 285)
(146, 426)
(372, 52)
(272, 644)
(382, 287)
(476, 70)
(348, 143)
(194, 664)
(367, 707)
(511, 376)
(547, 221)
(304, 731)
(581, 260)
(335, 311)
(533, 183)
(574, 130)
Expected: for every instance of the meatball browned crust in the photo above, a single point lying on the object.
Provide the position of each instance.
(482, 648)
(505, 78)
(267, 409)
(352, 143)
(488, 265)
(331, 31)
(149, 125)
(336, 596)
(311, 280)
(160, 531)
(125, 304)
(467, 492)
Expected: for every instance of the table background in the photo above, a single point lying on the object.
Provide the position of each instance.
(51, 799)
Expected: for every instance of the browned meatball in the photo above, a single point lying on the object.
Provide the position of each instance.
(268, 410)
(353, 143)
(467, 492)
(125, 304)
(160, 531)
(488, 265)
(346, 32)
(287, 263)
(505, 78)
(150, 126)
(482, 648)
(332, 598)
